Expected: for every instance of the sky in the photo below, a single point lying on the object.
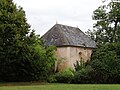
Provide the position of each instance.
(44, 14)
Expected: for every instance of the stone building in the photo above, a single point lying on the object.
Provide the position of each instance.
(72, 45)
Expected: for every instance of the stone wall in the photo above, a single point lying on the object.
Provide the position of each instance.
(67, 56)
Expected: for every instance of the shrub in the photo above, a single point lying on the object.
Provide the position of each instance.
(64, 76)
(79, 65)
(83, 76)
(51, 79)
(106, 63)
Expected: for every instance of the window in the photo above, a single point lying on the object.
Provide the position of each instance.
(80, 54)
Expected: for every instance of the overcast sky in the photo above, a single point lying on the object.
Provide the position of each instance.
(43, 14)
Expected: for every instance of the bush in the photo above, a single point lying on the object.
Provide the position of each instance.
(104, 66)
(83, 76)
(51, 79)
(64, 76)
(79, 65)
(106, 63)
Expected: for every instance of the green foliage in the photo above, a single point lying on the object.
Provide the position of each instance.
(23, 57)
(13, 33)
(83, 75)
(105, 60)
(106, 63)
(43, 61)
(104, 66)
(83, 72)
(107, 26)
(52, 79)
(64, 76)
(79, 65)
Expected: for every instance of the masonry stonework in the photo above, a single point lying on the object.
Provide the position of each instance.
(67, 56)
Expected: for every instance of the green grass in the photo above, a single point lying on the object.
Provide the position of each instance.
(38, 86)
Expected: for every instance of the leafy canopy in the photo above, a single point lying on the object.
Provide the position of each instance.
(23, 57)
(107, 26)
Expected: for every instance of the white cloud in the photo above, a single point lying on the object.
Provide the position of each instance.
(43, 14)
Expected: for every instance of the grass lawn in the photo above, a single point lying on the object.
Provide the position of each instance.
(37, 86)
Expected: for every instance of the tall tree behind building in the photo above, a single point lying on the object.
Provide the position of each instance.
(107, 26)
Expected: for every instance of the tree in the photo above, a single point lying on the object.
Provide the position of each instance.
(106, 64)
(107, 26)
(13, 31)
(23, 56)
(42, 60)
(105, 60)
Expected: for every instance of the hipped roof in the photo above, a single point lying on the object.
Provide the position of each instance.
(62, 35)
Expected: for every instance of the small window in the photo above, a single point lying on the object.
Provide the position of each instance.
(85, 49)
(80, 53)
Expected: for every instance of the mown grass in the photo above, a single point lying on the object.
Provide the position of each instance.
(37, 86)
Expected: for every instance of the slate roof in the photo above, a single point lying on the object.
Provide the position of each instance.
(62, 35)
